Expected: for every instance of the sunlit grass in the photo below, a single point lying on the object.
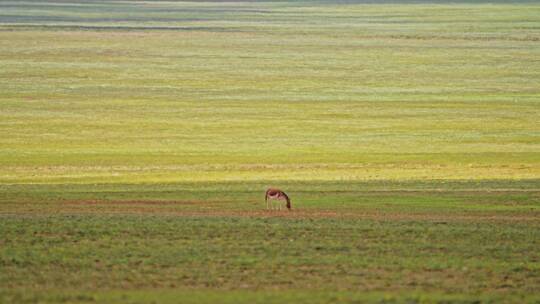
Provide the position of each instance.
(137, 139)
(428, 91)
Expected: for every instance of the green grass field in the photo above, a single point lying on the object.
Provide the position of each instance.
(137, 139)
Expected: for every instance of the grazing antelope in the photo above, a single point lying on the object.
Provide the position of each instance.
(276, 194)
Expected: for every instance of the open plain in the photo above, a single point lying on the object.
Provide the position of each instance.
(137, 139)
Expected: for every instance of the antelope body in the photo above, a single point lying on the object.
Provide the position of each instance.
(276, 194)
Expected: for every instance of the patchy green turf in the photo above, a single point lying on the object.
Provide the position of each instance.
(137, 139)
(132, 252)
(411, 242)
(104, 256)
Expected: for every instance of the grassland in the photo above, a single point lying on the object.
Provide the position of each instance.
(137, 138)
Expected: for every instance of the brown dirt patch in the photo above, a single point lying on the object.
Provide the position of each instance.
(221, 209)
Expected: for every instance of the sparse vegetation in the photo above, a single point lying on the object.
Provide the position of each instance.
(137, 139)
